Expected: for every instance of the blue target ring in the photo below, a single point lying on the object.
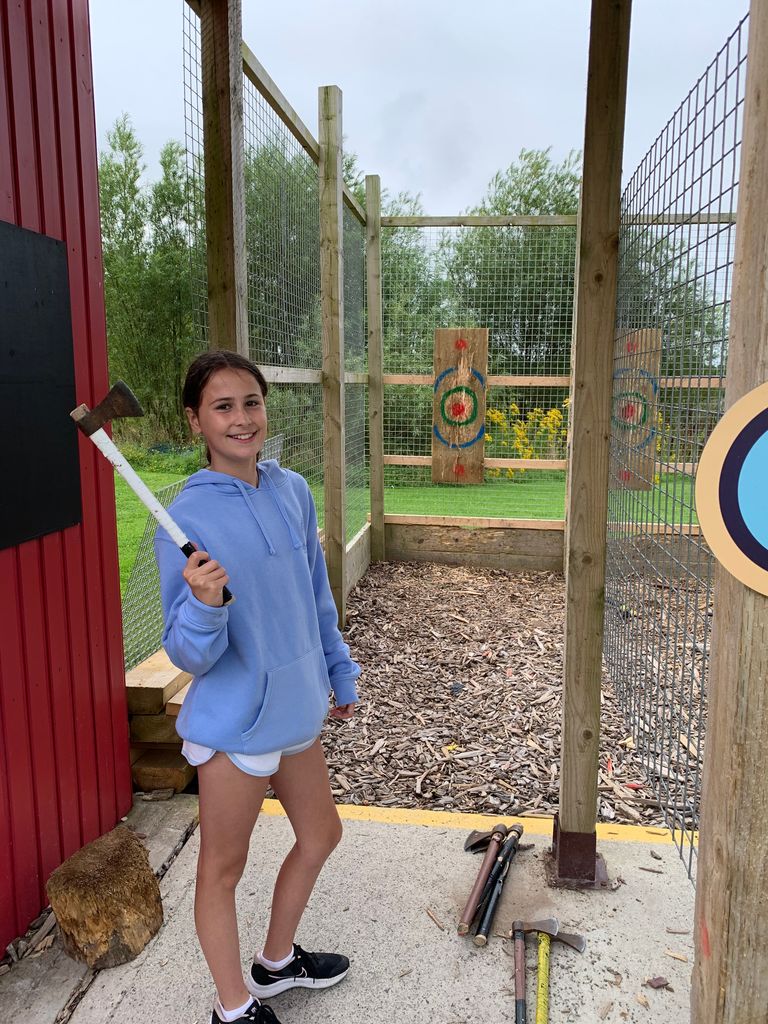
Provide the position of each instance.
(743, 490)
(753, 490)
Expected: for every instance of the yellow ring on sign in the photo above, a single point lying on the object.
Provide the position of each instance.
(707, 489)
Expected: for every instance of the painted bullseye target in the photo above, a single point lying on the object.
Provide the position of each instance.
(732, 490)
(634, 397)
(458, 406)
(459, 425)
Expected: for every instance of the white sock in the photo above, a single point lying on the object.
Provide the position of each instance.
(275, 965)
(230, 1015)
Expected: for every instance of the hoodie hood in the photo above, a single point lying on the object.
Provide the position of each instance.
(271, 478)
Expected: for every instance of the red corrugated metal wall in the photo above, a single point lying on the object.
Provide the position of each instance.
(64, 763)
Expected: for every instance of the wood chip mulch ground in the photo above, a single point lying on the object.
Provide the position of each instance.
(461, 698)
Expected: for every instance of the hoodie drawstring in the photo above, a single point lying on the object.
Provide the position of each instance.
(241, 487)
(295, 539)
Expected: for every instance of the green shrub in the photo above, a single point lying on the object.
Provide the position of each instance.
(162, 458)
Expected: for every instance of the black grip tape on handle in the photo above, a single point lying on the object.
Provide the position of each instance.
(227, 596)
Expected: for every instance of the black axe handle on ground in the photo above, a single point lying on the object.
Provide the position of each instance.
(489, 900)
(121, 402)
(495, 839)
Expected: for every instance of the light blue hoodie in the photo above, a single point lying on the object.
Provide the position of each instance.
(262, 666)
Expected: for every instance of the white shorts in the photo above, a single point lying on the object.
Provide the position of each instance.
(262, 765)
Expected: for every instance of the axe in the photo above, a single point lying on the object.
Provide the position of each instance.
(548, 931)
(495, 839)
(119, 403)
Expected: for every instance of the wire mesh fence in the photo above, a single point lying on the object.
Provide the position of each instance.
(676, 258)
(516, 281)
(282, 231)
(358, 499)
(283, 256)
(193, 133)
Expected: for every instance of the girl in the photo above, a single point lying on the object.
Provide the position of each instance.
(263, 667)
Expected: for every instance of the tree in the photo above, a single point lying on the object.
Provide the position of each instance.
(518, 281)
(147, 280)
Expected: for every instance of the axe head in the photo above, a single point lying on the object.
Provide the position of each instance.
(550, 925)
(477, 841)
(578, 942)
(119, 403)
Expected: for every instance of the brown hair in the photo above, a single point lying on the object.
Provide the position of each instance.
(206, 364)
(203, 368)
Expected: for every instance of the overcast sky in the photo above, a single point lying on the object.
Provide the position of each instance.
(438, 94)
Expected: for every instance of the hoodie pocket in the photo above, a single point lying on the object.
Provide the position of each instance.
(295, 704)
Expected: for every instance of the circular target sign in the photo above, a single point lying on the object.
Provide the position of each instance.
(732, 490)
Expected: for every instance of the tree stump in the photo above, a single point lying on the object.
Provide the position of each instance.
(106, 900)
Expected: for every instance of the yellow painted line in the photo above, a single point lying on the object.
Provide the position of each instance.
(534, 826)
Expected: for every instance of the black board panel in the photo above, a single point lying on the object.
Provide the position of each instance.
(39, 466)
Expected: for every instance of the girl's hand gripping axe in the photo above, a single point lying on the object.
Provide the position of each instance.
(119, 403)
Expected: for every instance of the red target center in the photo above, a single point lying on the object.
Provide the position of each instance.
(461, 344)
(629, 411)
(458, 470)
(458, 409)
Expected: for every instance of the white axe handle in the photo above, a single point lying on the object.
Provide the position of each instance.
(112, 453)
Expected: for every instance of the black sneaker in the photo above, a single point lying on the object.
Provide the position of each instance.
(255, 1014)
(306, 970)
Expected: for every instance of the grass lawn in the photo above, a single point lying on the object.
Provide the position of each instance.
(525, 499)
(544, 499)
(132, 517)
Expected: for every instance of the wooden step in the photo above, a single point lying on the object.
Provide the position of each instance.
(151, 729)
(153, 683)
(173, 707)
(162, 769)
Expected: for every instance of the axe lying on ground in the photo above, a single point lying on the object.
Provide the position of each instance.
(548, 931)
(491, 896)
(119, 403)
(494, 840)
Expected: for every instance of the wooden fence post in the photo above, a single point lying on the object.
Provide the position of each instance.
(730, 976)
(590, 431)
(375, 363)
(222, 88)
(332, 300)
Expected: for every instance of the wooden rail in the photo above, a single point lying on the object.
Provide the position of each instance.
(489, 463)
(519, 381)
(258, 76)
(548, 220)
(299, 375)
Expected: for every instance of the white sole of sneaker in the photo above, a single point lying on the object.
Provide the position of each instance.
(267, 991)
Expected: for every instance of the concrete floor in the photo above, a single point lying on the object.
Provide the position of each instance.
(371, 903)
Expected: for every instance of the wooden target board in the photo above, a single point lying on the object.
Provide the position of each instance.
(458, 407)
(633, 413)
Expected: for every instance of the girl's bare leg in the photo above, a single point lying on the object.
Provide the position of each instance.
(302, 787)
(230, 802)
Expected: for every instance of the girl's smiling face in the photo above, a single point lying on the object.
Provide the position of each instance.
(232, 417)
